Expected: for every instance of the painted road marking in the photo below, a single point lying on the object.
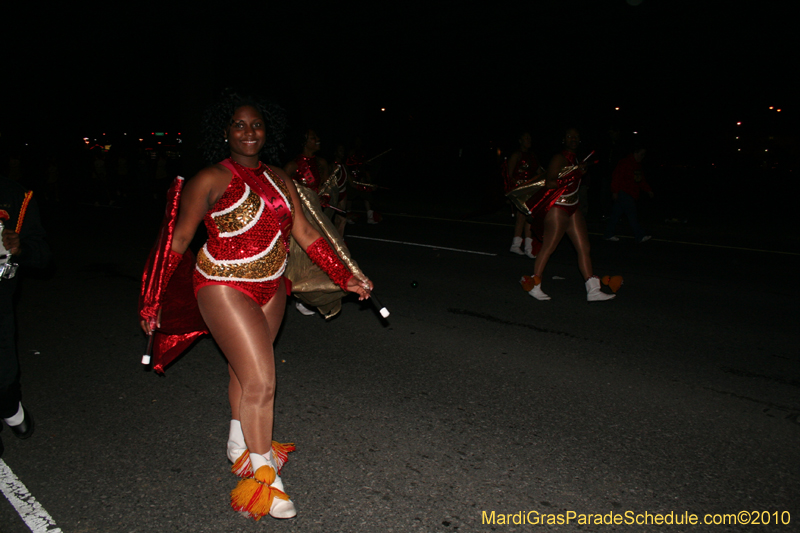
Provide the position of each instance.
(597, 234)
(422, 245)
(31, 511)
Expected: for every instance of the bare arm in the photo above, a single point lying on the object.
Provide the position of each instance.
(290, 168)
(198, 196)
(556, 164)
(512, 164)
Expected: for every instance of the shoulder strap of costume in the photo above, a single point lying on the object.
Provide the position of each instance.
(271, 193)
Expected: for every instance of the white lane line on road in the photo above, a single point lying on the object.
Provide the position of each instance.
(31, 511)
(510, 224)
(422, 245)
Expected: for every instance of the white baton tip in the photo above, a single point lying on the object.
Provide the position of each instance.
(145, 359)
(384, 312)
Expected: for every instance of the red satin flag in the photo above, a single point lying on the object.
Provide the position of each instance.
(181, 322)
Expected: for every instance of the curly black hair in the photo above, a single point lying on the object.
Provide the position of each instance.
(217, 119)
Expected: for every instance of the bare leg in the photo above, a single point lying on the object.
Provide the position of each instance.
(520, 225)
(576, 229)
(555, 224)
(245, 333)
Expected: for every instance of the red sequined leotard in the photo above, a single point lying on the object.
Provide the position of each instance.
(307, 172)
(525, 170)
(568, 201)
(247, 248)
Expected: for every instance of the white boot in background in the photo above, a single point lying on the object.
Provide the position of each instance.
(516, 246)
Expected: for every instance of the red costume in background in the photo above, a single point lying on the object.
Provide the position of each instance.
(307, 173)
(525, 171)
(628, 178)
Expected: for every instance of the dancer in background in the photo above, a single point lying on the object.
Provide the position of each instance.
(361, 180)
(626, 185)
(523, 167)
(250, 210)
(554, 209)
(311, 172)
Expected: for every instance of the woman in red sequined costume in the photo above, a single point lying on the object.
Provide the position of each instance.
(309, 170)
(556, 212)
(250, 209)
(522, 167)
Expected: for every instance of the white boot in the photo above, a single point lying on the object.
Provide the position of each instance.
(537, 293)
(279, 508)
(529, 248)
(516, 246)
(303, 309)
(236, 445)
(237, 448)
(535, 282)
(593, 292)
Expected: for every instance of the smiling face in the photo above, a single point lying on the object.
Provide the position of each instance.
(246, 135)
(312, 142)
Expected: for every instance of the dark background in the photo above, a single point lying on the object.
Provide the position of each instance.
(458, 83)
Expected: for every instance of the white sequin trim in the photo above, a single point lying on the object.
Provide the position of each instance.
(277, 188)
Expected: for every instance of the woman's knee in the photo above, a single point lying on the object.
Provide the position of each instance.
(259, 391)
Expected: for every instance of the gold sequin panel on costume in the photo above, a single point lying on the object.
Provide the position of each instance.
(241, 216)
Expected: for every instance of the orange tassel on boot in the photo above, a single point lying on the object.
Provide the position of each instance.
(242, 467)
(613, 282)
(529, 282)
(254, 495)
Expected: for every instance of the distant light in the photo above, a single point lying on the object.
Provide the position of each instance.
(124, 133)
(766, 150)
(86, 138)
(104, 134)
(179, 133)
(140, 140)
(739, 150)
(383, 109)
(771, 107)
(635, 132)
(737, 138)
(738, 123)
(778, 110)
(153, 133)
(159, 142)
(616, 109)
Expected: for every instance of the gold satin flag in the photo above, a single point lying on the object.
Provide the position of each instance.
(521, 194)
(310, 284)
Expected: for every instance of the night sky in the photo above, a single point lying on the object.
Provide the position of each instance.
(469, 73)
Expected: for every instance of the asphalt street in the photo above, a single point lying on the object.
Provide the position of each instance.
(682, 395)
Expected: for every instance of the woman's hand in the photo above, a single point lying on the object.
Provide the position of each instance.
(361, 286)
(149, 326)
